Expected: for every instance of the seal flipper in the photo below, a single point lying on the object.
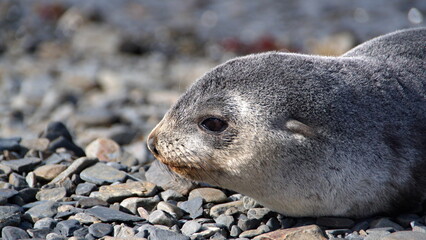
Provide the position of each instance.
(410, 43)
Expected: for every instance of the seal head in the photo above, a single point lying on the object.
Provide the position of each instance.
(308, 135)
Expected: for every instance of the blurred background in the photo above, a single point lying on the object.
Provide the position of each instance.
(113, 68)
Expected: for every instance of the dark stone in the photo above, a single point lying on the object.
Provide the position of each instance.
(111, 215)
(10, 216)
(194, 207)
(64, 215)
(10, 144)
(99, 230)
(61, 142)
(235, 231)
(18, 181)
(162, 218)
(22, 165)
(6, 194)
(385, 222)
(259, 213)
(39, 211)
(246, 224)
(273, 223)
(81, 233)
(39, 233)
(190, 228)
(225, 221)
(335, 222)
(66, 228)
(405, 219)
(13, 233)
(91, 202)
(28, 194)
(171, 195)
(102, 174)
(161, 234)
(363, 225)
(56, 158)
(55, 130)
(48, 223)
(332, 233)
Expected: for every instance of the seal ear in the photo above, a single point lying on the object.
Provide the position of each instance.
(300, 128)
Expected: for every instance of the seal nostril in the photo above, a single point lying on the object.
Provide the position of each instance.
(151, 145)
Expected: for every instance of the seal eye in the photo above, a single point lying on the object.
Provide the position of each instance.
(214, 124)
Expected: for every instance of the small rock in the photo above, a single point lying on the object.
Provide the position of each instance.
(222, 208)
(119, 192)
(194, 207)
(133, 203)
(333, 233)
(49, 172)
(28, 194)
(43, 210)
(66, 228)
(47, 223)
(10, 216)
(385, 222)
(335, 222)
(99, 230)
(235, 231)
(18, 181)
(225, 221)
(104, 149)
(363, 225)
(10, 144)
(405, 219)
(162, 218)
(80, 233)
(162, 234)
(123, 231)
(5, 170)
(206, 232)
(405, 235)
(38, 144)
(31, 179)
(85, 189)
(418, 227)
(13, 233)
(170, 194)
(173, 210)
(246, 224)
(84, 218)
(162, 176)
(258, 213)
(91, 202)
(254, 232)
(190, 228)
(60, 137)
(110, 215)
(143, 213)
(6, 194)
(55, 236)
(311, 232)
(208, 195)
(102, 174)
(23, 164)
(52, 194)
(39, 233)
(76, 167)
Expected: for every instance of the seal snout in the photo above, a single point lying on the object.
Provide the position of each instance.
(152, 142)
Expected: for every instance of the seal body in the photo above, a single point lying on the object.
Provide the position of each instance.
(308, 135)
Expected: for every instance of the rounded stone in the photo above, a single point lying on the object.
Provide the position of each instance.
(99, 230)
(162, 218)
(102, 174)
(49, 172)
(104, 149)
(208, 195)
(53, 194)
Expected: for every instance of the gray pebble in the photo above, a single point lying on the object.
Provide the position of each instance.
(42, 210)
(273, 223)
(48, 223)
(76, 167)
(85, 189)
(162, 234)
(224, 207)
(91, 202)
(194, 207)
(123, 231)
(55, 236)
(11, 144)
(133, 203)
(23, 164)
(225, 221)
(162, 218)
(405, 219)
(254, 232)
(258, 213)
(39, 233)
(18, 181)
(52, 194)
(190, 228)
(99, 230)
(235, 231)
(118, 192)
(13, 233)
(170, 194)
(66, 228)
(246, 224)
(209, 195)
(250, 203)
(173, 210)
(81, 232)
(111, 215)
(405, 235)
(102, 174)
(10, 216)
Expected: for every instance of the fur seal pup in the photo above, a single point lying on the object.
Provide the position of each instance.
(308, 135)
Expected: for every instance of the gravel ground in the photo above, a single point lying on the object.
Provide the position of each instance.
(82, 84)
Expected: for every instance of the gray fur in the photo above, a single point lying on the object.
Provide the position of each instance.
(310, 135)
